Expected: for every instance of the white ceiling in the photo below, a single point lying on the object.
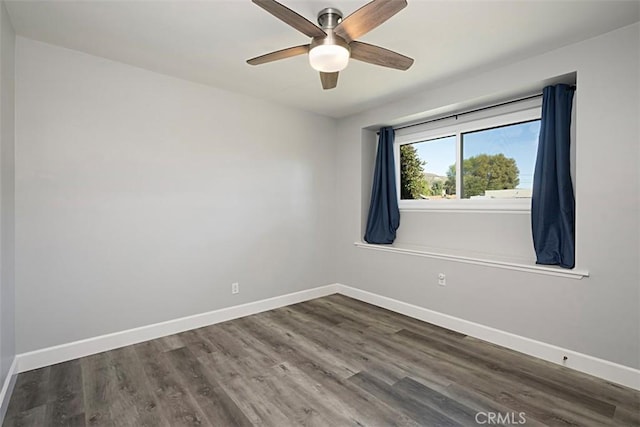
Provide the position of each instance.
(209, 41)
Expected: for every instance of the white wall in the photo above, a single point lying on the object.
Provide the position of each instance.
(599, 315)
(7, 140)
(140, 198)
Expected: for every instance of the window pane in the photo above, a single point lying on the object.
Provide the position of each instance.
(498, 163)
(427, 169)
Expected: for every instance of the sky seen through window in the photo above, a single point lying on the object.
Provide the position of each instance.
(519, 141)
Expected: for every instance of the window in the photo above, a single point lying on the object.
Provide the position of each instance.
(423, 169)
(483, 160)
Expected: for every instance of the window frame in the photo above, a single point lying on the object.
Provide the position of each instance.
(519, 112)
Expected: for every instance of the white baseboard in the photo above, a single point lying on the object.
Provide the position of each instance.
(601, 368)
(73, 350)
(7, 389)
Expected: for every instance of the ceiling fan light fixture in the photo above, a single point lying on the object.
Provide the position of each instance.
(333, 40)
(329, 58)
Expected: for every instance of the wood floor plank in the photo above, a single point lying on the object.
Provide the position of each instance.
(30, 391)
(320, 314)
(359, 317)
(627, 416)
(329, 375)
(393, 319)
(447, 406)
(608, 392)
(134, 404)
(420, 412)
(196, 341)
(214, 402)
(170, 342)
(341, 343)
(489, 362)
(179, 406)
(292, 404)
(98, 390)
(438, 371)
(270, 340)
(482, 404)
(292, 380)
(253, 347)
(256, 405)
(32, 417)
(200, 348)
(571, 402)
(189, 337)
(229, 364)
(225, 343)
(314, 331)
(375, 412)
(65, 397)
(332, 361)
(292, 345)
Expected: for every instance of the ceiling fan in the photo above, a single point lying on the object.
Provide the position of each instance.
(334, 41)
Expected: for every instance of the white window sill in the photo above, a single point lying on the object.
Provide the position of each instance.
(492, 205)
(504, 263)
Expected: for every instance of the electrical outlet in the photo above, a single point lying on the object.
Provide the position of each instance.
(442, 279)
(235, 288)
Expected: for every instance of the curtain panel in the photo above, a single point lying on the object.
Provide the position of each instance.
(384, 215)
(553, 203)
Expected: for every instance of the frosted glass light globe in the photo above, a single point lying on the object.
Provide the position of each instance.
(329, 58)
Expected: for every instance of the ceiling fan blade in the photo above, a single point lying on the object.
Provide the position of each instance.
(279, 54)
(329, 80)
(290, 17)
(379, 56)
(368, 17)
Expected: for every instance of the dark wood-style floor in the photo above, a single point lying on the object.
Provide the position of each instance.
(333, 361)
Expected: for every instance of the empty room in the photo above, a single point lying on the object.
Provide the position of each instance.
(319, 213)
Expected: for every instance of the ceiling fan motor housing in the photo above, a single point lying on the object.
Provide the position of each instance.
(329, 18)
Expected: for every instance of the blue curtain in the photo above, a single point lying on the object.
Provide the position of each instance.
(384, 215)
(553, 203)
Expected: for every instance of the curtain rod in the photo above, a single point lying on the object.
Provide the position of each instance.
(538, 95)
